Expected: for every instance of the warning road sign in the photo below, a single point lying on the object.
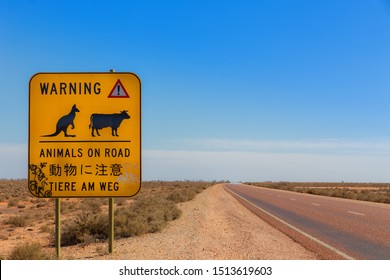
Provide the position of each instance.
(118, 91)
(83, 142)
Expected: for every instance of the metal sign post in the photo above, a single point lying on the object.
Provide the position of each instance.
(58, 228)
(111, 225)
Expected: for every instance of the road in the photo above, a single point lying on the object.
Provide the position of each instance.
(334, 228)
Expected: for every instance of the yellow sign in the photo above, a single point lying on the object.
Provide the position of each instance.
(84, 135)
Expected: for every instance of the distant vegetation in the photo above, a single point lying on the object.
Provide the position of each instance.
(85, 220)
(375, 192)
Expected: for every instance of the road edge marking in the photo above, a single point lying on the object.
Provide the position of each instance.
(333, 249)
(356, 213)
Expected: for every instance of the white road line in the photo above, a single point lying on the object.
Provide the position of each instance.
(297, 229)
(316, 204)
(356, 213)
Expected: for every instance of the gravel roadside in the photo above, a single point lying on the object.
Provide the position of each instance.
(213, 226)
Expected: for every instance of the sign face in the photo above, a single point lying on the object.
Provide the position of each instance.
(84, 135)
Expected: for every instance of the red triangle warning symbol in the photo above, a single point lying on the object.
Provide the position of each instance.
(118, 91)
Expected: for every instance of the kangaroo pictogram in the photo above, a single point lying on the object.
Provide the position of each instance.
(64, 122)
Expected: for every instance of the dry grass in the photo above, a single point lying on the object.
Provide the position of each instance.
(374, 192)
(24, 218)
(18, 221)
(29, 251)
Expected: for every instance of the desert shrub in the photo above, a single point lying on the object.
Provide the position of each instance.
(183, 195)
(34, 200)
(186, 193)
(92, 204)
(18, 221)
(85, 228)
(121, 201)
(374, 196)
(145, 216)
(67, 207)
(45, 228)
(13, 201)
(28, 251)
(49, 214)
(40, 205)
(128, 224)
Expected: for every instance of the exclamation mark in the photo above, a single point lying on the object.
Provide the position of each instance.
(119, 89)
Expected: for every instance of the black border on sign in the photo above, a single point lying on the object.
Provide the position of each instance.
(140, 132)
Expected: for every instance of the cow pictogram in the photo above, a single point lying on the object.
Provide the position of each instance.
(99, 121)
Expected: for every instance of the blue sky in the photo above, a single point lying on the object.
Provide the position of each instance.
(237, 90)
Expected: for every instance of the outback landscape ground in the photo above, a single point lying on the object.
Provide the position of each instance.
(28, 222)
(166, 220)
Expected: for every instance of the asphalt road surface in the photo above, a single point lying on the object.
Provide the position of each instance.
(334, 228)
